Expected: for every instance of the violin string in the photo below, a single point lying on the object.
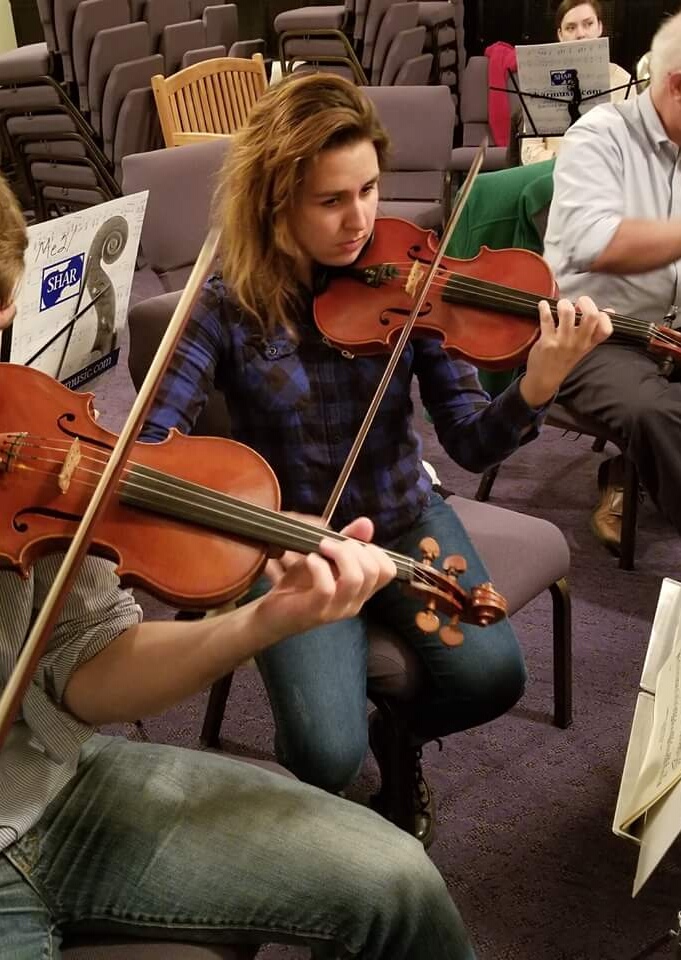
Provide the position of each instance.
(305, 534)
(498, 294)
(503, 295)
(506, 296)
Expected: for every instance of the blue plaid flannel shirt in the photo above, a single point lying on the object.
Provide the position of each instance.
(300, 405)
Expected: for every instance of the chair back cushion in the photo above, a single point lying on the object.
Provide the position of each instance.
(181, 182)
(501, 536)
(420, 124)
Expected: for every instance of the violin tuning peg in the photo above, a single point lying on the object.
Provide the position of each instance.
(451, 635)
(455, 564)
(427, 621)
(430, 549)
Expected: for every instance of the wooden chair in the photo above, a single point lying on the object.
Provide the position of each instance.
(211, 98)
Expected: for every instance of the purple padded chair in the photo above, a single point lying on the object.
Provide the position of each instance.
(181, 182)
(111, 46)
(177, 39)
(125, 77)
(159, 13)
(204, 53)
(398, 20)
(475, 119)
(64, 13)
(405, 64)
(221, 25)
(91, 17)
(322, 34)
(420, 123)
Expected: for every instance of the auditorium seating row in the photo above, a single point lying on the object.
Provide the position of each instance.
(72, 107)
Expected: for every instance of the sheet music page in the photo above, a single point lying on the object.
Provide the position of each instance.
(657, 829)
(649, 802)
(550, 69)
(661, 828)
(641, 726)
(661, 644)
(661, 767)
(73, 300)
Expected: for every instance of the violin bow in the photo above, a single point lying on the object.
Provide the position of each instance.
(35, 643)
(421, 294)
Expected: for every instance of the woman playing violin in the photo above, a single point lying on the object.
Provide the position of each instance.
(299, 196)
(157, 842)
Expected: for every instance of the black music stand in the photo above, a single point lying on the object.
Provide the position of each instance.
(572, 105)
(565, 74)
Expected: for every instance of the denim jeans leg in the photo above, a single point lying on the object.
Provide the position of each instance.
(25, 923)
(316, 682)
(467, 685)
(159, 842)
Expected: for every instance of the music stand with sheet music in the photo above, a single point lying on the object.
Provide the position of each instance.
(562, 81)
(73, 298)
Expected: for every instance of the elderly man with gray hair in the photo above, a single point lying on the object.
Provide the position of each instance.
(614, 233)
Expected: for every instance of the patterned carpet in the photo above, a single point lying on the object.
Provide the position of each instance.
(524, 809)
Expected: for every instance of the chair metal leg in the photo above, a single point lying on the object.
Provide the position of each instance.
(562, 653)
(396, 763)
(215, 711)
(629, 513)
(486, 483)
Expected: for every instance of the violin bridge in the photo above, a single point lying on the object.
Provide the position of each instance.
(71, 462)
(414, 278)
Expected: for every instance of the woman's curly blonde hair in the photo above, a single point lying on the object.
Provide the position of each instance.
(291, 124)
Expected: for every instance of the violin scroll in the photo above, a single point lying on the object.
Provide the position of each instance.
(481, 606)
(666, 341)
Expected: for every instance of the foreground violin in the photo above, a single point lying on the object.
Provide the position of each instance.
(176, 500)
(492, 325)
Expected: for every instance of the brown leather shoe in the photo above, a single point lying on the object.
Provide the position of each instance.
(606, 520)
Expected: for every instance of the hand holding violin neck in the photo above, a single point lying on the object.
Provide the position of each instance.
(561, 346)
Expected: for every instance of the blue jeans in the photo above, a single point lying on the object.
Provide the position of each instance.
(161, 842)
(316, 681)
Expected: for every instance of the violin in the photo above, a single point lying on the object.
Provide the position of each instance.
(191, 518)
(492, 325)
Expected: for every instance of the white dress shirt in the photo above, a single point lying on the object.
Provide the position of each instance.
(616, 163)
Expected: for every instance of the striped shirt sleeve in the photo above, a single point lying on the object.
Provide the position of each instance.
(43, 747)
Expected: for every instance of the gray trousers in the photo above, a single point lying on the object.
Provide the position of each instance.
(623, 387)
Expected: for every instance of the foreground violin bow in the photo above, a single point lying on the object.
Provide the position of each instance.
(12, 695)
(421, 294)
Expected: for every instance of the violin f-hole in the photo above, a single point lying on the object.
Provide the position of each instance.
(413, 254)
(21, 524)
(395, 315)
(76, 435)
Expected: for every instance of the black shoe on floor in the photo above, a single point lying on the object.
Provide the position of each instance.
(421, 815)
